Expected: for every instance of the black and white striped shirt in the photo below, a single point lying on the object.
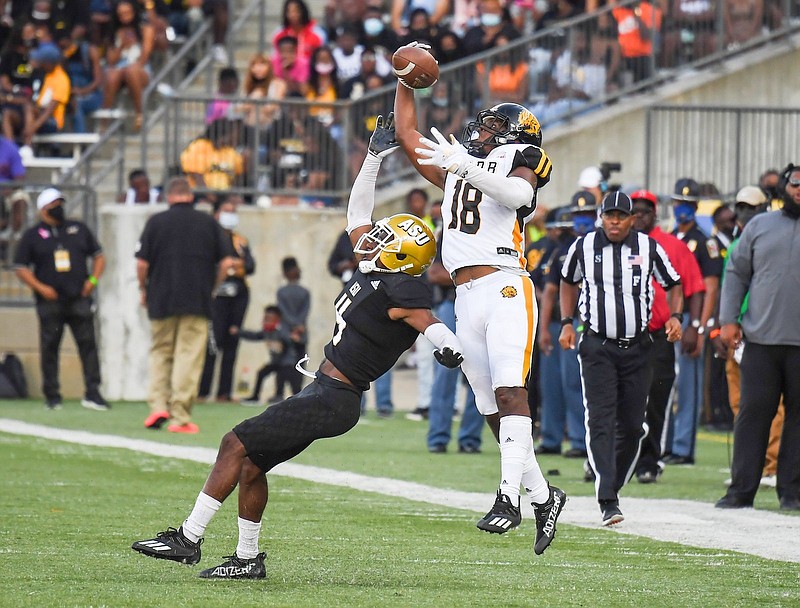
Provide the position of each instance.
(616, 298)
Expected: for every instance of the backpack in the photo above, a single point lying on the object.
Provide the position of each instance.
(12, 378)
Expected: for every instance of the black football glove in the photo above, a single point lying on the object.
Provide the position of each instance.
(448, 357)
(383, 142)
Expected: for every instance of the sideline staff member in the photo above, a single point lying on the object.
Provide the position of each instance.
(616, 265)
(58, 250)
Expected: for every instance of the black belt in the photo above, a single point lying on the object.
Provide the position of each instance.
(620, 342)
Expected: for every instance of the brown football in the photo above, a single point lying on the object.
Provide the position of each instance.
(415, 67)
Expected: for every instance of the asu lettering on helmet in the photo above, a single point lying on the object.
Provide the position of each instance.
(404, 244)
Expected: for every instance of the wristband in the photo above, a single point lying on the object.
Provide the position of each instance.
(714, 333)
(93, 280)
(566, 321)
(677, 315)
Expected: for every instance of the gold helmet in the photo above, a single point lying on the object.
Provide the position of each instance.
(405, 244)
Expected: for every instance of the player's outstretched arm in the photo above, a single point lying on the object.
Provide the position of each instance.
(405, 112)
(448, 346)
(362, 196)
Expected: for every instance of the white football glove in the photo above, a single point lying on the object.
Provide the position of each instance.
(449, 155)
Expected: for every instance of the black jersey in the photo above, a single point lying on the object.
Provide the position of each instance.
(366, 343)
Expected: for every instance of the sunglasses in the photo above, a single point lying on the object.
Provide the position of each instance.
(794, 183)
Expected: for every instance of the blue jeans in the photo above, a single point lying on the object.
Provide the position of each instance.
(562, 400)
(690, 396)
(85, 105)
(443, 398)
(383, 393)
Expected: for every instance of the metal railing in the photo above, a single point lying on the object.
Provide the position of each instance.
(725, 147)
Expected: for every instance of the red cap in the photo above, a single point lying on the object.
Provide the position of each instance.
(645, 195)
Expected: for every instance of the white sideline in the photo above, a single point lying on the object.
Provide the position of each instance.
(763, 533)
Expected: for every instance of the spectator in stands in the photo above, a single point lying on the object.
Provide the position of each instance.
(376, 34)
(16, 74)
(128, 60)
(323, 86)
(70, 20)
(559, 10)
(298, 24)
(212, 161)
(421, 29)
(46, 110)
(689, 31)
(507, 78)
(466, 14)
(291, 67)
(260, 82)
(638, 26)
(218, 11)
(493, 21)
(100, 26)
(11, 167)
(403, 12)
(227, 87)
(743, 21)
(365, 117)
(82, 63)
(139, 191)
(372, 64)
(338, 12)
(451, 48)
(347, 53)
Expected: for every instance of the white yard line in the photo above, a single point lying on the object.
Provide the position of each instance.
(763, 533)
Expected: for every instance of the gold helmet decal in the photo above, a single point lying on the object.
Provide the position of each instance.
(528, 122)
(685, 190)
(404, 243)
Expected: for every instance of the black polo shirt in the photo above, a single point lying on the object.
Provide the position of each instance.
(706, 250)
(182, 246)
(58, 255)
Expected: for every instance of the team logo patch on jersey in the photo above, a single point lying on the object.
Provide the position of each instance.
(509, 291)
(712, 248)
(72, 229)
(692, 245)
(354, 289)
(375, 284)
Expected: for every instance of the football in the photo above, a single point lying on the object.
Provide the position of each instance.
(415, 67)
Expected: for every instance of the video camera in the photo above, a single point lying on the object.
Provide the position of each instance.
(606, 169)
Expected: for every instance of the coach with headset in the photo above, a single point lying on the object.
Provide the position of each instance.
(615, 265)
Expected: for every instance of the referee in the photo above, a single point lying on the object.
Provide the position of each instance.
(616, 265)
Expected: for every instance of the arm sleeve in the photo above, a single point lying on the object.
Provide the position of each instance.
(663, 271)
(362, 195)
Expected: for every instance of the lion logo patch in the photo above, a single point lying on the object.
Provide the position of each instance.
(508, 292)
(527, 122)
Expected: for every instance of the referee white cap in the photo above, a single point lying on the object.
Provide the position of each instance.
(48, 196)
(617, 201)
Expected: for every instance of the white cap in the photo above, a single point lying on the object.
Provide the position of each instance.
(47, 196)
(751, 195)
(590, 178)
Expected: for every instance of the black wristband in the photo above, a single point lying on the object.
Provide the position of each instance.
(566, 321)
(677, 315)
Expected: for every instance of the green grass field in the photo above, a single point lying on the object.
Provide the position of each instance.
(69, 513)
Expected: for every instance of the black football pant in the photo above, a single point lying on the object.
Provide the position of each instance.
(662, 366)
(615, 385)
(53, 316)
(226, 313)
(767, 372)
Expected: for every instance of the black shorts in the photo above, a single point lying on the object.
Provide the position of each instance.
(324, 408)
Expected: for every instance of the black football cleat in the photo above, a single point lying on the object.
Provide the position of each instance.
(546, 517)
(502, 517)
(172, 545)
(238, 567)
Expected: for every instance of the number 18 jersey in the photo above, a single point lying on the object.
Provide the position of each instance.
(479, 231)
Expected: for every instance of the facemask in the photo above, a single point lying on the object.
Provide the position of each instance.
(228, 220)
(373, 26)
(771, 192)
(57, 213)
(490, 19)
(324, 68)
(684, 213)
(582, 224)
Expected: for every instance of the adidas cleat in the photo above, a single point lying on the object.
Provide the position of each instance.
(503, 516)
(238, 567)
(172, 545)
(546, 517)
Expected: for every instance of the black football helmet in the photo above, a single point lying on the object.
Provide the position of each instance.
(509, 123)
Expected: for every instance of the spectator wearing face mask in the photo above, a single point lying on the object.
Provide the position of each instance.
(376, 34)
(494, 20)
(229, 305)
(323, 86)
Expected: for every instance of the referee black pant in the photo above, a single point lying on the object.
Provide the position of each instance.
(767, 372)
(616, 381)
(662, 366)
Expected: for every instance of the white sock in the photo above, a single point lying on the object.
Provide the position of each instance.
(248, 538)
(515, 442)
(205, 507)
(533, 481)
